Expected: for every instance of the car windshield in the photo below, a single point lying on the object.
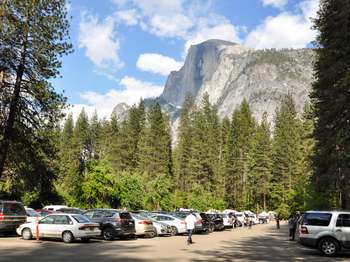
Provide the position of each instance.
(32, 213)
(137, 216)
(125, 215)
(81, 219)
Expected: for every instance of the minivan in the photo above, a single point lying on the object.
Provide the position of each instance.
(12, 215)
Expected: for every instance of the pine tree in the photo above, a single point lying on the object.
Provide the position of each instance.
(331, 98)
(155, 147)
(286, 152)
(32, 40)
(262, 166)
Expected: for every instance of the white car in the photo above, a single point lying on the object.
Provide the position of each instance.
(32, 215)
(54, 207)
(240, 217)
(228, 221)
(178, 225)
(162, 228)
(65, 226)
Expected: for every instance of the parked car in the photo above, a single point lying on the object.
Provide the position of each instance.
(144, 226)
(217, 220)
(12, 214)
(61, 226)
(54, 207)
(240, 217)
(264, 218)
(227, 220)
(70, 210)
(207, 222)
(328, 231)
(162, 229)
(32, 215)
(113, 223)
(178, 225)
(199, 227)
(44, 212)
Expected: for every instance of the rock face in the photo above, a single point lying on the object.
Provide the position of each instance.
(229, 73)
(121, 111)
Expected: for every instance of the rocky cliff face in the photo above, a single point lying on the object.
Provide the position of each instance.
(230, 72)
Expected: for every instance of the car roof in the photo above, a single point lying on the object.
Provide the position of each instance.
(328, 211)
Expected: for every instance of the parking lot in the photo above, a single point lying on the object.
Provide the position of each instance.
(261, 243)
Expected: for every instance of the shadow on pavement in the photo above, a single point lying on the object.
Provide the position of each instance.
(54, 251)
(273, 246)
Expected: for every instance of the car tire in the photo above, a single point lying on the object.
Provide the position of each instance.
(152, 234)
(85, 239)
(27, 234)
(67, 237)
(108, 234)
(329, 246)
(174, 231)
(211, 228)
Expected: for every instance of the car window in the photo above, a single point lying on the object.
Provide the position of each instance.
(62, 220)
(317, 219)
(81, 219)
(14, 209)
(89, 214)
(98, 214)
(47, 220)
(32, 213)
(108, 213)
(343, 220)
(125, 215)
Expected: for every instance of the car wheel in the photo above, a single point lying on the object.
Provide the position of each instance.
(152, 234)
(329, 246)
(174, 231)
(27, 234)
(67, 237)
(108, 234)
(211, 228)
(85, 239)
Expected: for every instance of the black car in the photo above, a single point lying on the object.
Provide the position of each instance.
(218, 221)
(207, 222)
(113, 223)
(12, 215)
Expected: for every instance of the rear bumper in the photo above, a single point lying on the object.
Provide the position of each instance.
(308, 242)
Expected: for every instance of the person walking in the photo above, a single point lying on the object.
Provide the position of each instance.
(190, 224)
(292, 225)
(278, 221)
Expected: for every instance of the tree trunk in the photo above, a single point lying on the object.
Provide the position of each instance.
(13, 112)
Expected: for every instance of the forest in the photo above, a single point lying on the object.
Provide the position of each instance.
(297, 162)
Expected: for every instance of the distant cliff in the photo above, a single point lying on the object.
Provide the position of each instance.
(230, 72)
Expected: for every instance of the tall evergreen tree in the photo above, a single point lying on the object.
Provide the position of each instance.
(285, 156)
(32, 38)
(331, 98)
(155, 147)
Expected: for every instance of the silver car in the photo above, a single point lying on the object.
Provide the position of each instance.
(328, 231)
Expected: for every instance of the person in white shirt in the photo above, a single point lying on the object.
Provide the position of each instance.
(190, 223)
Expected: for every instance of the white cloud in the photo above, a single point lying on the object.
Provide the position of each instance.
(275, 3)
(176, 25)
(129, 17)
(100, 41)
(130, 92)
(286, 30)
(224, 31)
(158, 64)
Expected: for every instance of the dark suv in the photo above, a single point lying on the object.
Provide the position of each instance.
(207, 222)
(113, 223)
(12, 215)
(217, 220)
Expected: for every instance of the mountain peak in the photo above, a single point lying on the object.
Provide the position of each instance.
(217, 42)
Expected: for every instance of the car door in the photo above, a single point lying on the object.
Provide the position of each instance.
(62, 223)
(342, 229)
(47, 226)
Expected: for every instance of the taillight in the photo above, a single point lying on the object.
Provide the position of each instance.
(2, 216)
(303, 230)
(183, 222)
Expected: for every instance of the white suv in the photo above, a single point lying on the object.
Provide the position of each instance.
(329, 231)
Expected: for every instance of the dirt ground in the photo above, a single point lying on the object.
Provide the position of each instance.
(261, 243)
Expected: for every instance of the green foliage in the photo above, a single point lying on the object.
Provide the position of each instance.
(331, 101)
(159, 193)
(131, 191)
(99, 188)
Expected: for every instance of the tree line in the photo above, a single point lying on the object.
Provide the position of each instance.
(301, 161)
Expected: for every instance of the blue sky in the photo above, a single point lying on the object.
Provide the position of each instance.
(124, 49)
